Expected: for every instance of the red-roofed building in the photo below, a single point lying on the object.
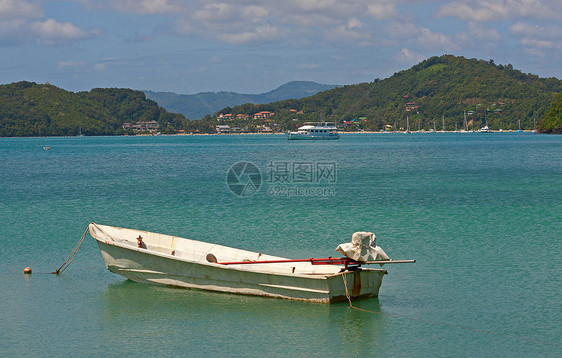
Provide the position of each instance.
(225, 117)
(263, 115)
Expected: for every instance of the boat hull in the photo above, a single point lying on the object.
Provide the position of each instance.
(311, 137)
(143, 265)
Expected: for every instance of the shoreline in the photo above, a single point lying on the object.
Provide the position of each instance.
(277, 133)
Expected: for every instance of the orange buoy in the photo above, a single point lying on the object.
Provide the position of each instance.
(27, 270)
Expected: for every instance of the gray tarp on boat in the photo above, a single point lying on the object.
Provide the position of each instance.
(363, 248)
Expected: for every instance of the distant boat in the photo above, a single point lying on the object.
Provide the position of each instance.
(519, 130)
(443, 128)
(485, 129)
(47, 148)
(80, 132)
(315, 131)
(407, 124)
(148, 257)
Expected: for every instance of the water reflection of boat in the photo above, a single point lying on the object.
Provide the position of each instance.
(167, 260)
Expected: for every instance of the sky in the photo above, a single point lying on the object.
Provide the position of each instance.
(251, 46)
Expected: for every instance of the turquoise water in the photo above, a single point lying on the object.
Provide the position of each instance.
(481, 214)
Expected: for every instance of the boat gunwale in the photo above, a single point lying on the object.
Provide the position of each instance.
(239, 267)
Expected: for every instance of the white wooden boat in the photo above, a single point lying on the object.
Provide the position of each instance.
(149, 257)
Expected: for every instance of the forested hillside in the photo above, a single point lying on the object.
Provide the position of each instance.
(30, 109)
(445, 87)
(497, 95)
(552, 120)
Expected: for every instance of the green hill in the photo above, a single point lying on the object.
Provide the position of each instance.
(446, 86)
(30, 109)
(552, 120)
(198, 105)
(496, 95)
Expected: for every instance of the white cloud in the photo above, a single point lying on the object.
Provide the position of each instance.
(523, 28)
(353, 32)
(438, 40)
(100, 67)
(355, 23)
(382, 10)
(252, 12)
(241, 22)
(312, 5)
(70, 64)
(401, 30)
(18, 9)
(22, 21)
(541, 44)
(408, 56)
(537, 40)
(420, 36)
(477, 36)
(217, 12)
(143, 7)
(260, 34)
(51, 31)
(496, 10)
(156, 6)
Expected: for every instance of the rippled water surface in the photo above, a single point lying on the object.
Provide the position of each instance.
(481, 214)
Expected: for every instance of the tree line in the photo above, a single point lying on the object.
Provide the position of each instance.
(31, 109)
(446, 87)
(440, 87)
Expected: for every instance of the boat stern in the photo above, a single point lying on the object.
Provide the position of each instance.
(356, 284)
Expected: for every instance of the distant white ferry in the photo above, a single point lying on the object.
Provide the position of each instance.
(318, 131)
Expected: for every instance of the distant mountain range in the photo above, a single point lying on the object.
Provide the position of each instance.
(196, 106)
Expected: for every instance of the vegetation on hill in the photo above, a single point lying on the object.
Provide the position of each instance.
(552, 120)
(198, 105)
(446, 87)
(30, 109)
(494, 95)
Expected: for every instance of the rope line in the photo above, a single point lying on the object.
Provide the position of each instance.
(71, 256)
(344, 276)
(103, 232)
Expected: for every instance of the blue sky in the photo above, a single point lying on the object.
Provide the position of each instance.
(252, 46)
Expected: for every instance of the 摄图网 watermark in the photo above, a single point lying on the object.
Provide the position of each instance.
(284, 178)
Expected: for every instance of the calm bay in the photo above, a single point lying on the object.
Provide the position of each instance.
(481, 214)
